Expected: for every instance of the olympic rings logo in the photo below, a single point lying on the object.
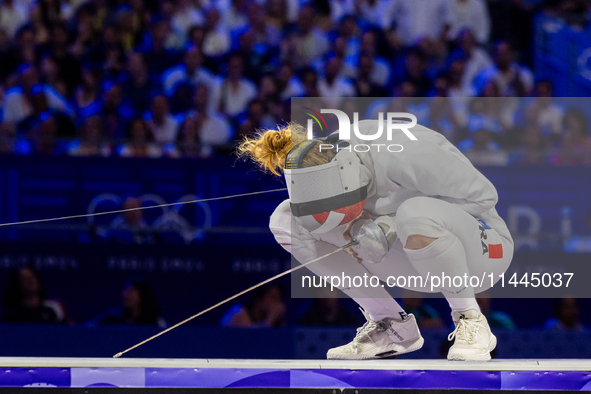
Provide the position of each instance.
(170, 218)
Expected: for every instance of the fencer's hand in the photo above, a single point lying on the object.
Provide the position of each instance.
(347, 234)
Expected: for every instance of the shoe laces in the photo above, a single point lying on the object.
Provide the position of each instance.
(369, 326)
(362, 331)
(466, 330)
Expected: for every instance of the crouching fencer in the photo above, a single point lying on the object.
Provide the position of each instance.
(423, 211)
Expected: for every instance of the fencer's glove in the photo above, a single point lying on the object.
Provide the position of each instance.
(386, 223)
(375, 237)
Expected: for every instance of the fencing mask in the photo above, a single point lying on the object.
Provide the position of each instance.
(325, 196)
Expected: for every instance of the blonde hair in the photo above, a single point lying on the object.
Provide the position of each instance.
(269, 148)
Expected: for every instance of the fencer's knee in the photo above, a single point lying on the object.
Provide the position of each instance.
(416, 225)
(416, 241)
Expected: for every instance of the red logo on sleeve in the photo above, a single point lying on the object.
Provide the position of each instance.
(495, 251)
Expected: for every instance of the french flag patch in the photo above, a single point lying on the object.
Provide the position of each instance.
(495, 251)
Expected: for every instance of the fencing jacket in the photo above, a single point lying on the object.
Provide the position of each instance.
(429, 167)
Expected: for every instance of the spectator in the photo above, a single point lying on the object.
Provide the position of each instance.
(578, 123)
(42, 33)
(309, 42)
(263, 33)
(328, 311)
(188, 144)
(212, 128)
(372, 11)
(54, 12)
(129, 227)
(186, 16)
(269, 95)
(114, 110)
(412, 69)
(41, 111)
(441, 114)
(459, 94)
(13, 15)
(544, 113)
(475, 60)
(50, 75)
(277, 17)
(435, 56)
(216, 41)
(111, 52)
(86, 37)
(256, 56)
(235, 16)
(255, 119)
(512, 79)
(190, 71)
(265, 308)
(574, 146)
(348, 32)
(10, 51)
(26, 48)
(569, 151)
(416, 19)
(92, 141)
(138, 84)
(364, 85)
(139, 306)
(133, 24)
(288, 83)
(69, 69)
(480, 147)
(163, 125)
(160, 47)
(408, 101)
(235, 90)
(140, 141)
(340, 8)
(566, 316)
(496, 319)
(332, 86)
(426, 315)
(42, 136)
(18, 101)
(468, 14)
(87, 93)
(195, 37)
(379, 72)
(25, 299)
(533, 149)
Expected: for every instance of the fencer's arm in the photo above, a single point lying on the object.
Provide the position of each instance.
(439, 171)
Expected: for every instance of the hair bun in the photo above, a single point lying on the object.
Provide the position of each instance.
(269, 148)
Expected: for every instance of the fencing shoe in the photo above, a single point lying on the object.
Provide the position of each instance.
(473, 339)
(380, 339)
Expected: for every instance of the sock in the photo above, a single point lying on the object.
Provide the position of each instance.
(378, 308)
(376, 301)
(446, 256)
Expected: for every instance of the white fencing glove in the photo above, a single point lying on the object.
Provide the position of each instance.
(375, 238)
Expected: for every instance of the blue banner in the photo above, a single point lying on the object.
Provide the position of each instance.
(543, 206)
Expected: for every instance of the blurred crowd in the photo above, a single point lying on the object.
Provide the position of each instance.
(186, 78)
(26, 300)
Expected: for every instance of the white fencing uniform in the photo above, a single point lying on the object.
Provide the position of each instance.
(433, 191)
